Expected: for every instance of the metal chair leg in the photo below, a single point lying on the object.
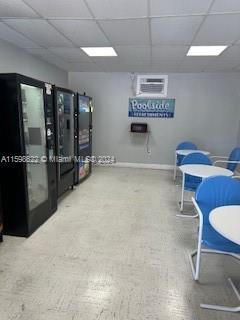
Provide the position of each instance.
(224, 308)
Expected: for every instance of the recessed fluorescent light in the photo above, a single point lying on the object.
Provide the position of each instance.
(100, 51)
(206, 50)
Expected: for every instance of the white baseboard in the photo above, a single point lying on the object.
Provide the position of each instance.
(153, 166)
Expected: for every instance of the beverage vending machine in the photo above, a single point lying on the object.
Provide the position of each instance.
(27, 135)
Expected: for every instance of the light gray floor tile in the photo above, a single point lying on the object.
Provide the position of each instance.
(114, 250)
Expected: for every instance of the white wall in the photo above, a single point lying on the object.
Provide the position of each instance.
(207, 112)
(13, 59)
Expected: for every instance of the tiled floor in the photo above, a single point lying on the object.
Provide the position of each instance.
(114, 250)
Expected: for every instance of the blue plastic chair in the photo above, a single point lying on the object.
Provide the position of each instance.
(232, 161)
(191, 183)
(186, 145)
(212, 193)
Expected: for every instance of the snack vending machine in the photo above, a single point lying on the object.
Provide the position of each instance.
(65, 139)
(84, 110)
(28, 178)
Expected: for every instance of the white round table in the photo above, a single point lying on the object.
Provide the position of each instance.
(202, 171)
(185, 152)
(226, 221)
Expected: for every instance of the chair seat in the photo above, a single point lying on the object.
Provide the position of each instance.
(213, 240)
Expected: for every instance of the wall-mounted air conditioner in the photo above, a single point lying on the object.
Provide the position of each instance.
(151, 85)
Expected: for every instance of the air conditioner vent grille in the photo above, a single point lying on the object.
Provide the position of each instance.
(151, 85)
(157, 80)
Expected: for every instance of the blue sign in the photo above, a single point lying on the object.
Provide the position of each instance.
(151, 108)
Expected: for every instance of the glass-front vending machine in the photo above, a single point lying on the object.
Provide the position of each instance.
(84, 110)
(65, 138)
(1, 217)
(28, 178)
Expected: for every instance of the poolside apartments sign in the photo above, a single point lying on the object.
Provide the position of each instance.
(151, 108)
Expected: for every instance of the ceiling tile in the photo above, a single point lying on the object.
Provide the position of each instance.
(82, 32)
(220, 64)
(138, 68)
(38, 51)
(165, 66)
(219, 30)
(117, 65)
(175, 30)
(231, 53)
(82, 67)
(39, 31)
(111, 9)
(60, 8)
(169, 52)
(46, 55)
(178, 7)
(10, 35)
(127, 32)
(133, 52)
(237, 68)
(52, 59)
(106, 60)
(195, 64)
(225, 6)
(70, 54)
(15, 8)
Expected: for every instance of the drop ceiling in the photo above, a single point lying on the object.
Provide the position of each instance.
(148, 35)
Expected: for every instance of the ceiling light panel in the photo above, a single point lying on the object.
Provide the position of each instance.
(100, 51)
(206, 50)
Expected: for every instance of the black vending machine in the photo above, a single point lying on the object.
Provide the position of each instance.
(84, 110)
(27, 137)
(1, 217)
(65, 140)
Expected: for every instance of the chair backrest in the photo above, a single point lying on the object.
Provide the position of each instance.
(186, 145)
(234, 156)
(196, 158)
(217, 191)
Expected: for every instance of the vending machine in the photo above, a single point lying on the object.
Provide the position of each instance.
(84, 110)
(65, 139)
(27, 137)
(1, 217)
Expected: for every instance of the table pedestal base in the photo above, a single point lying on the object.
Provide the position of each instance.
(224, 308)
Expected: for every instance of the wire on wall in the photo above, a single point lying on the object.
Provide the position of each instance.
(147, 144)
